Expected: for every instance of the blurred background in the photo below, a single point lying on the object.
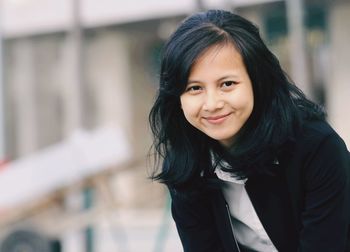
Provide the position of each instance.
(77, 80)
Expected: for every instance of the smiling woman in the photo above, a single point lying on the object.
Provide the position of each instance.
(250, 162)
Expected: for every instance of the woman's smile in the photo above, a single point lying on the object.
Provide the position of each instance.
(217, 119)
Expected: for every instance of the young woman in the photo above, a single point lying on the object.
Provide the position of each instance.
(250, 163)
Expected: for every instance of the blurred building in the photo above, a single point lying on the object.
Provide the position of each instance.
(85, 64)
(67, 68)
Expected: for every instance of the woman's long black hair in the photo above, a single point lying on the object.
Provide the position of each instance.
(279, 106)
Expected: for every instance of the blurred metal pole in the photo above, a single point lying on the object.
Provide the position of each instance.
(2, 97)
(200, 6)
(297, 44)
(76, 34)
(78, 75)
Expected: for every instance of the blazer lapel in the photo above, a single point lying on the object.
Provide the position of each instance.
(221, 215)
(270, 198)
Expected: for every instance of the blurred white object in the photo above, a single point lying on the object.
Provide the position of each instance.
(83, 154)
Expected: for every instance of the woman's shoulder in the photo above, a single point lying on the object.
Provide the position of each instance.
(316, 138)
(314, 133)
(316, 128)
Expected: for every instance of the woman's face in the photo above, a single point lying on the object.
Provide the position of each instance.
(218, 99)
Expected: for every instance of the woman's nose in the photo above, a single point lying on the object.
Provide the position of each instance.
(213, 101)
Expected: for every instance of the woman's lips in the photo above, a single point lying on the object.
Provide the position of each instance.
(216, 119)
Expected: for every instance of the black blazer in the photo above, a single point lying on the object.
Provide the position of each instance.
(304, 207)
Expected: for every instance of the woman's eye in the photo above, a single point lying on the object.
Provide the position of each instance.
(228, 83)
(193, 89)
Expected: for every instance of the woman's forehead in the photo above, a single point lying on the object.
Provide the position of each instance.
(223, 55)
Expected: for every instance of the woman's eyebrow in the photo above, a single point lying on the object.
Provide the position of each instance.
(220, 79)
(227, 77)
(193, 81)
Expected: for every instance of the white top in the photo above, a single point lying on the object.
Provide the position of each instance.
(247, 227)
